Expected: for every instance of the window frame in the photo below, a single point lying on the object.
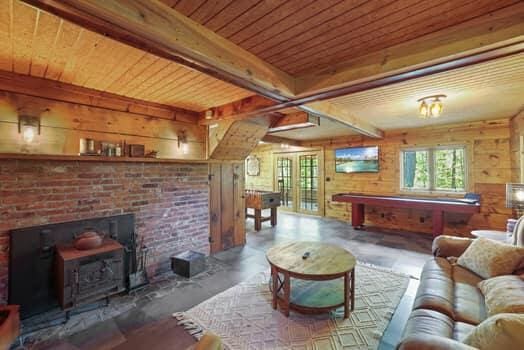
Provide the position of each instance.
(431, 169)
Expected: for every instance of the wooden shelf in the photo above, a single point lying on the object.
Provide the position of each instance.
(20, 156)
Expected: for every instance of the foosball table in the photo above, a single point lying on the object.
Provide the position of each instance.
(259, 200)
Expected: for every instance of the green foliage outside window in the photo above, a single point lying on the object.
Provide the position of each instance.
(434, 169)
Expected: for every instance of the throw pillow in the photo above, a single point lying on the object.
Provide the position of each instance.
(502, 331)
(488, 258)
(503, 294)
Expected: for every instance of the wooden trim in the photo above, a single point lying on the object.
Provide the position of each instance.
(294, 121)
(57, 91)
(155, 27)
(278, 139)
(53, 157)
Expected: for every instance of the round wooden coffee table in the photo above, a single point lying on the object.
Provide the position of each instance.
(324, 262)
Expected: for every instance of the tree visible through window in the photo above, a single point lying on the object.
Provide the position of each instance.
(434, 169)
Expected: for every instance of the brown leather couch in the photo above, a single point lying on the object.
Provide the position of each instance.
(448, 304)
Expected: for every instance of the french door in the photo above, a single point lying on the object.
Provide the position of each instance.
(298, 178)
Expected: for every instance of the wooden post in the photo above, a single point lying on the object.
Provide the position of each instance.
(274, 276)
(287, 293)
(357, 215)
(346, 295)
(273, 216)
(352, 289)
(258, 219)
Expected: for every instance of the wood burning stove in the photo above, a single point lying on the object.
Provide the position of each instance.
(40, 261)
(84, 276)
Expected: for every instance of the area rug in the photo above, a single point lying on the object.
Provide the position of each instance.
(243, 317)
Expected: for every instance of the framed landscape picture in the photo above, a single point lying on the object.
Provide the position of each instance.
(356, 160)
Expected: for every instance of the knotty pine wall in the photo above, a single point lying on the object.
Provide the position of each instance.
(517, 145)
(63, 124)
(489, 169)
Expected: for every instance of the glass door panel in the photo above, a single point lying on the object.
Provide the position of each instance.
(308, 180)
(285, 181)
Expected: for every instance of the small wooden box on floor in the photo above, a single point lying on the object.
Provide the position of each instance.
(188, 264)
(259, 200)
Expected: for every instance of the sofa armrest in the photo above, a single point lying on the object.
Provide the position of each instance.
(431, 342)
(446, 246)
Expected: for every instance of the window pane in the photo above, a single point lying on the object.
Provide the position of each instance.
(415, 170)
(449, 169)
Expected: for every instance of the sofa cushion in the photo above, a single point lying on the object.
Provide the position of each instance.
(450, 290)
(488, 258)
(430, 322)
(503, 294)
(501, 331)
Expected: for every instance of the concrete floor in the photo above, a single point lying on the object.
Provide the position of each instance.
(398, 251)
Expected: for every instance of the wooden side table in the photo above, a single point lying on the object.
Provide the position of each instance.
(325, 262)
(499, 236)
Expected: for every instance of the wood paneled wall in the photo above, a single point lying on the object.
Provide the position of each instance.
(517, 147)
(264, 181)
(64, 123)
(489, 169)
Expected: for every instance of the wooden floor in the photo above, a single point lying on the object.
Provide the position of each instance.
(149, 326)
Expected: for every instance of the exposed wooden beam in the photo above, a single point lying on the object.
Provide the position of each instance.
(331, 111)
(502, 29)
(155, 27)
(58, 91)
(280, 140)
(298, 120)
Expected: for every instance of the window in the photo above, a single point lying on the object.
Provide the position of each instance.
(434, 169)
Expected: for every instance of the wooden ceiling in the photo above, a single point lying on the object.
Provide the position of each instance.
(489, 90)
(301, 36)
(36, 43)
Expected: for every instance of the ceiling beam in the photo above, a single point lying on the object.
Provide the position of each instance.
(58, 91)
(293, 121)
(280, 140)
(502, 29)
(254, 106)
(152, 26)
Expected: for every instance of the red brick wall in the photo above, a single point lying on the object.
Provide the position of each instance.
(170, 202)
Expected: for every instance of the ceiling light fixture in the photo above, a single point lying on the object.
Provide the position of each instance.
(431, 106)
(209, 114)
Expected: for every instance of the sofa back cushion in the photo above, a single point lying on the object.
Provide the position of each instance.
(503, 294)
(488, 258)
(502, 331)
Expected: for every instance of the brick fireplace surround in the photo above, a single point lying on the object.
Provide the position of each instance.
(170, 202)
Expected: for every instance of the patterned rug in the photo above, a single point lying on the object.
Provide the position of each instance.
(243, 317)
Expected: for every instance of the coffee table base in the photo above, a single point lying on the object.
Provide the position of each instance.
(281, 290)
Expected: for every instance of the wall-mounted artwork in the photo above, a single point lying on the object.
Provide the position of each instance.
(253, 166)
(357, 160)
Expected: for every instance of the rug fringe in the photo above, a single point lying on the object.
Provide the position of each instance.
(191, 327)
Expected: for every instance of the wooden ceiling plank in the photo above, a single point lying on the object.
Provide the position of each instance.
(59, 91)
(145, 75)
(321, 27)
(43, 46)
(72, 51)
(365, 15)
(389, 34)
(135, 70)
(233, 10)
(254, 28)
(75, 71)
(209, 10)
(173, 85)
(170, 69)
(499, 29)
(133, 56)
(253, 14)
(188, 7)
(151, 25)
(6, 61)
(24, 23)
(302, 15)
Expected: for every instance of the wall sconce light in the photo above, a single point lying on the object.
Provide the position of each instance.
(182, 142)
(29, 127)
(209, 114)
